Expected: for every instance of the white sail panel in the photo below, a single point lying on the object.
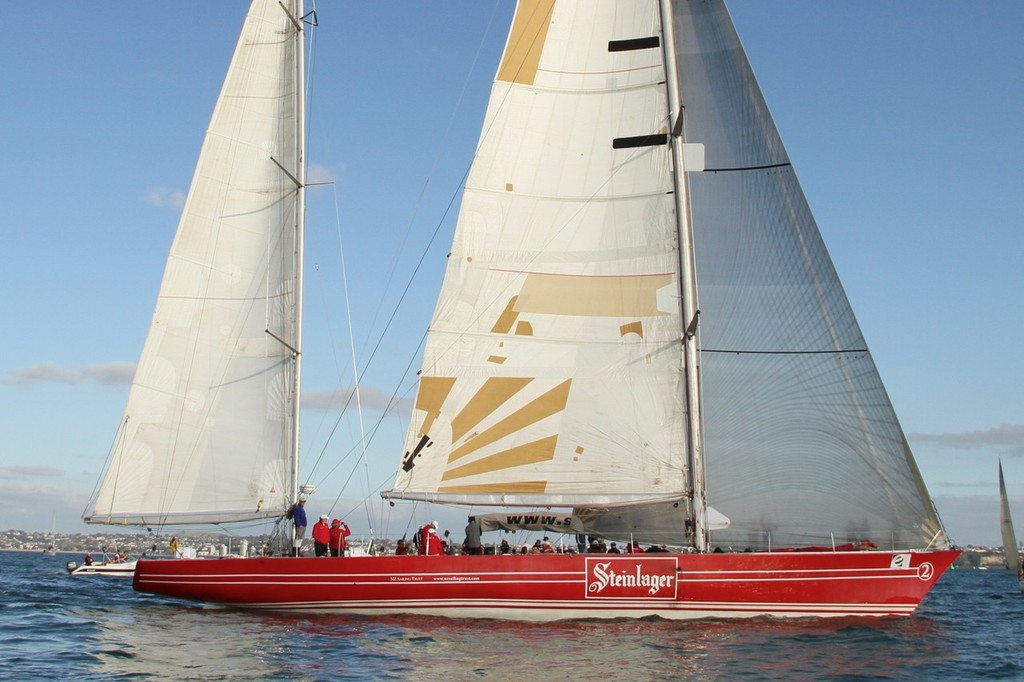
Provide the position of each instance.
(551, 373)
(208, 432)
(801, 442)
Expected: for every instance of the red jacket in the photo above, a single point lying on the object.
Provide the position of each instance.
(339, 531)
(321, 532)
(430, 543)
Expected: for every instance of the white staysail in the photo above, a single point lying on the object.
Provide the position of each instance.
(560, 368)
(1010, 547)
(209, 433)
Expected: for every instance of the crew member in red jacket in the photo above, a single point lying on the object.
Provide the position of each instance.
(430, 543)
(339, 531)
(321, 536)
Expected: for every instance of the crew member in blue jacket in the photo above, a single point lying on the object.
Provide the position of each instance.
(299, 518)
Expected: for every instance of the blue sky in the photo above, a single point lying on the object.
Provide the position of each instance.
(902, 121)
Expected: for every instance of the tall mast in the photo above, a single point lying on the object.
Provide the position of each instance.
(300, 211)
(687, 283)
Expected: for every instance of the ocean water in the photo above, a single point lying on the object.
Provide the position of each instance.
(56, 626)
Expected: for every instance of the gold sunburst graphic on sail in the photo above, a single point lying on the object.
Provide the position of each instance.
(501, 414)
(492, 397)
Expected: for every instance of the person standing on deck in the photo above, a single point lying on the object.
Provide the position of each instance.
(299, 519)
(321, 536)
(473, 536)
(339, 533)
(430, 542)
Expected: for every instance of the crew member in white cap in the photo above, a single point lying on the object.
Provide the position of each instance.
(321, 536)
(430, 542)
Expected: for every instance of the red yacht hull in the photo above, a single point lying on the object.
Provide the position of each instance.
(553, 587)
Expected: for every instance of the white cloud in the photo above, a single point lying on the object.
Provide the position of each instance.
(166, 197)
(1008, 439)
(19, 473)
(45, 372)
(111, 373)
(341, 398)
(971, 519)
(317, 174)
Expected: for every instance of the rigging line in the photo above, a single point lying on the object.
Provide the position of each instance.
(783, 352)
(328, 319)
(454, 196)
(308, 85)
(364, 502)
(369, 494)
(113, 452)
(394, 313)
(338, 365)
(380, 340)
(355, 367)
(419, 202)
(384, 414)
(380, 486)
(412, 277)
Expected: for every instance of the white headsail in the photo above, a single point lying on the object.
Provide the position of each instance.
(209, 433)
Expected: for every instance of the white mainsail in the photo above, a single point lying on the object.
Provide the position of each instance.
(550, 313)
(209, 433)
(1010, 547)
(556, 370)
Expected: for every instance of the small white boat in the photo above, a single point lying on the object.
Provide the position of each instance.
(115, 568)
